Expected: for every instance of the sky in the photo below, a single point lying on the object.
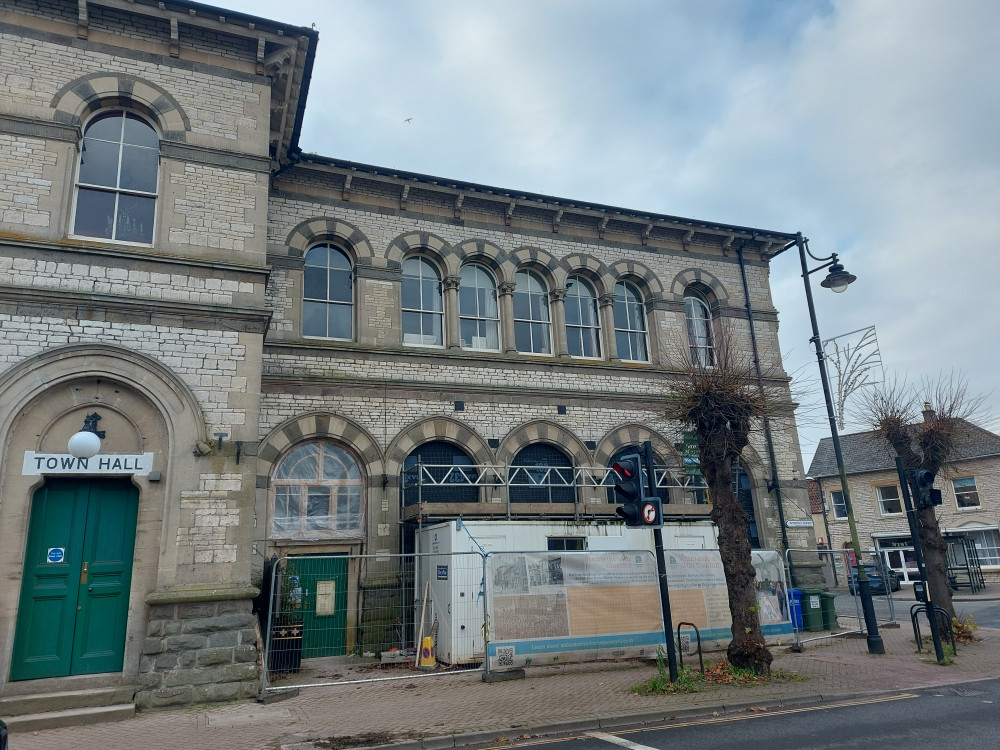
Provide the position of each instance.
(871, 126)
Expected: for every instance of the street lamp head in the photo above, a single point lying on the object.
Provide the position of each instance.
(838, 279)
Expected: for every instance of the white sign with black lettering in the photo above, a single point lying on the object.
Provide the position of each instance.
(139, 464)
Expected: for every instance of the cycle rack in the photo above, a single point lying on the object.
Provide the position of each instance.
(697, 633)
(939, 613)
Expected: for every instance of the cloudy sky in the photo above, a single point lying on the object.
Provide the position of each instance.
(871, 126)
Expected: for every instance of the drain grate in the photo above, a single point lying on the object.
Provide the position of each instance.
(960, 692)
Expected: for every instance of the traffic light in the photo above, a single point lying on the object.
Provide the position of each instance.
(637, 510)
(628, 478)
(924, 494)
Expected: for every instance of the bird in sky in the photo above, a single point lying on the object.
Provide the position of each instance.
(408, 120)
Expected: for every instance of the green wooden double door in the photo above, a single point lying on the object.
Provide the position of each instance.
(77, 570)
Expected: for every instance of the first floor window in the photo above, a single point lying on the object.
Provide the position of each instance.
(328, 293)
(839, 505)
(888, 499)
(583, 330)
(423, 307)
(699, 325)
(317, 494)
(531, 314)
(116, 182)
(478, 312)
(630, 324)
(966, 492)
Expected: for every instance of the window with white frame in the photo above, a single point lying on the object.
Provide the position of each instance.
(699, 328)
(422, 304)
(583, 328)
(478, 312)
(116, 182)
(888, 499)
(317, 494)
(328, 294)
(966, 492)
(532, 332)
(630, 323)
(839, 505)
(987, 543)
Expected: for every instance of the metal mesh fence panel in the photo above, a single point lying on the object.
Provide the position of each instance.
(346, 618)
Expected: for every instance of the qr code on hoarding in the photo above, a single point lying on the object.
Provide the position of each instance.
(505, 656)
(685, 644)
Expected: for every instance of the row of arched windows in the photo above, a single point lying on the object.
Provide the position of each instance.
(328, 300)
(318, 486)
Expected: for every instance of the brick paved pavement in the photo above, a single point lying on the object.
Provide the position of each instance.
(550, 699)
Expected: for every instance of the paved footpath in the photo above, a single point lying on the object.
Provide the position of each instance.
(446, 710)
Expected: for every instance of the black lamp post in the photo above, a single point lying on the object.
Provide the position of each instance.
(838, 280)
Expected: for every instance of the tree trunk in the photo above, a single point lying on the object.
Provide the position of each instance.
(935, 559)
(747, 650)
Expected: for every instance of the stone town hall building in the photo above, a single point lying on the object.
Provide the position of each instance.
(274, 344)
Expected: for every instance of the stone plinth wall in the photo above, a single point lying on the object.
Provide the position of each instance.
(198, 653)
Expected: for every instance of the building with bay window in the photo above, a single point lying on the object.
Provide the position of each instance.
(310, 356)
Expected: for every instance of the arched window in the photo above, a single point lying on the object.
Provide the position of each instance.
(423, 310)
(541, 473)
(117, 180)
(327, 294)
(434, 473)
(699, 328)
(630, 323)
(532, 334)
(317, 494)
(583, 328)
(479, 315)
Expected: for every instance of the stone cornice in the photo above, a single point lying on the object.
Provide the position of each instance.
(32, 128)
(79, 306)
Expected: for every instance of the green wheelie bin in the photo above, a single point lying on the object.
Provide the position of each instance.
(812, 610)
(828, 607)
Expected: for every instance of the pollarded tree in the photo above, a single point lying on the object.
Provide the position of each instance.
(723, 402)
(921, 424)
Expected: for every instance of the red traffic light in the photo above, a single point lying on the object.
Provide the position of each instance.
(628, 478)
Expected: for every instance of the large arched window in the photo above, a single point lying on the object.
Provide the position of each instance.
(630, 323)
(583, 328)
(478, 313)
(435, 473)
(423, 310)
(317, 494)
(532, 334)
(699, 329)
(327, 294)
(117, 180)
(541, 473)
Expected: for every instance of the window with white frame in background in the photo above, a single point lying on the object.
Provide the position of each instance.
(966, 492)
(117, 179)
(839, 505)
(987, 543)
(888, 499)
